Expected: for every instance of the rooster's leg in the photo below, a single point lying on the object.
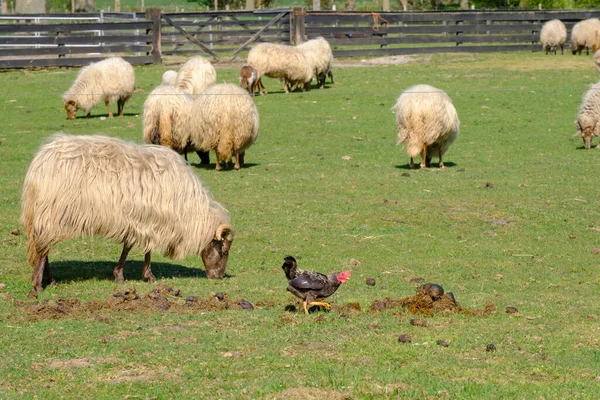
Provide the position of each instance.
(305, 308)
(320, 304)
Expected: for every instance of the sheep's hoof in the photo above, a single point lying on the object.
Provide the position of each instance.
(119, 279)
(33, 294)
(150, 278)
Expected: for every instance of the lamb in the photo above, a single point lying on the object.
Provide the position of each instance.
(144, 196)
(169, 78)
(248, 79)
(165, 109)
(552, 35)
(112, 79)
(427, 122)
(281, 61)
(320, 57)
(196, 75)
(588, 120)
(585, 35)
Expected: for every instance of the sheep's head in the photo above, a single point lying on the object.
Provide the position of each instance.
(71, 107)
(215, 255)
(586, 129)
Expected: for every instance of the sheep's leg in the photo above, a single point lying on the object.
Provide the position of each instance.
(285, 86)
(412, 163)
(147, 272)
(237, 159)
(37, 277)
(47, 276)
(118, 271)
(441, 163)
(204, 157)
(110, 114)
(424, 157)
(218, 166)
(121, 106)
(261, 88)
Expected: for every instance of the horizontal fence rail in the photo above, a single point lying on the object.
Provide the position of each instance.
(41, 40)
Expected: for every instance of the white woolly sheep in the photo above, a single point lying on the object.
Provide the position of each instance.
(427, 123)
(597, 60)
(112, 79)
(585, 34)
(169, 78)
(281, 61)
(165, 109)
(196, 75)
(588, 120)
(144, 196)
(224, 118)
(552, 35)
(320, 57)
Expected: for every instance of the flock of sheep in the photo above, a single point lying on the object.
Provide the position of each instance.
(97, 185)
(584, 35)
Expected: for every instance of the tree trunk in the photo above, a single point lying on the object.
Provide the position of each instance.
(464, 4)
(404, 5)
(350, 5)
(249, 4)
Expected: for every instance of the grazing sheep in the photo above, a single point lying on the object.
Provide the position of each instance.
(553, 35)
(169, 78)
(112, 79)
(144, 196)
(196, 75)
(281, 61)
(248, 79)
(320, 57)
(585, 35)
(427, 122)
(224, 118)
(165, 109)
(588, 120)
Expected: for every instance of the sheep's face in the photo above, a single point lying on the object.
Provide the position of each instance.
(71, 108)
(587, 130)
(216, 254)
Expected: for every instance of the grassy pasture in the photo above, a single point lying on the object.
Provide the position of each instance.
(513, 221)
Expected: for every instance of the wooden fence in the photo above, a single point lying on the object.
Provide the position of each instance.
(143, 38)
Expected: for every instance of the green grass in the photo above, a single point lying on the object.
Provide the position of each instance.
(512, 220)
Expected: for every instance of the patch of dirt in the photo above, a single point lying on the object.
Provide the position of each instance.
(307, 393)
(389, 60)
(161, 298)
(423, 303)
(70, 364)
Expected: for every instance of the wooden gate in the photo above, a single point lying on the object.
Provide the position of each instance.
(220, 35)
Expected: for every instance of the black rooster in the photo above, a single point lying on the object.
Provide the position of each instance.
(309, 285)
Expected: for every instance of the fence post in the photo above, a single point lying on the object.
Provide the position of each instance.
(298, 26)
(154, 14)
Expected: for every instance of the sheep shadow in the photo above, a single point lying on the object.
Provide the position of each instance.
(64, 271)
(98, 116)
(433, 166)
(212, 166)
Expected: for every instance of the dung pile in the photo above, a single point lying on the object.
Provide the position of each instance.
(429, 299)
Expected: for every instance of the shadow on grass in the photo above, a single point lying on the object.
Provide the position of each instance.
(434, 165)
(97, 116)
(223, 168)
(86, 270)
